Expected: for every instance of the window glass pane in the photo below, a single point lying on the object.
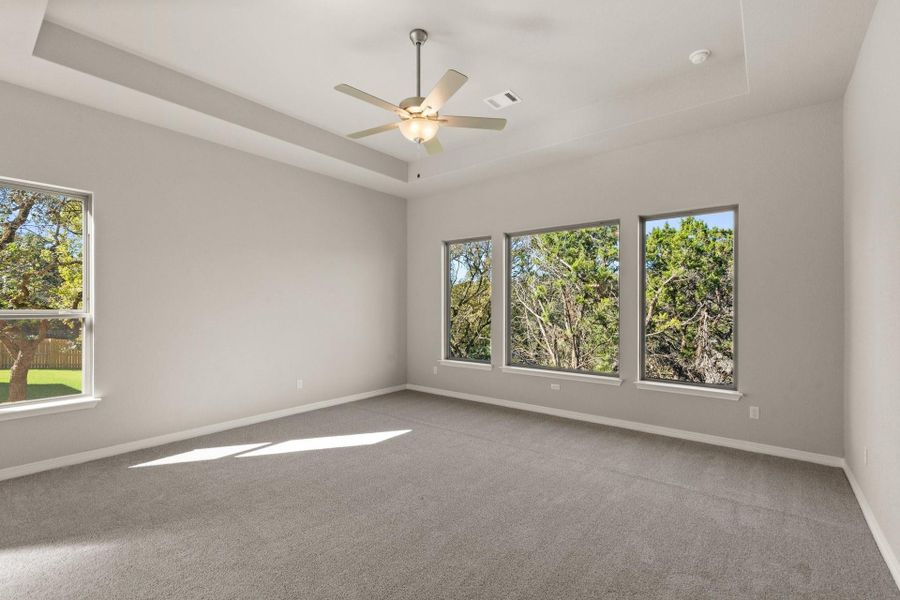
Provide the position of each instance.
(40, 358)
(41, 250)
(564, 300)
(469, 301)
(689, 276)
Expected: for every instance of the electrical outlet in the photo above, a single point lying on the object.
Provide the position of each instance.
(754, 412)
(554, 387)
(299, 384)
(435, 370)
(865, 455)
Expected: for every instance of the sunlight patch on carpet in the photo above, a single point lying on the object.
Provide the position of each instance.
(322, 443)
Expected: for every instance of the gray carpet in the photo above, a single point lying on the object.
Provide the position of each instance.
(474, 502)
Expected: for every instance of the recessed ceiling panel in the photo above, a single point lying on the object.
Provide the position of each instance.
(560, 57)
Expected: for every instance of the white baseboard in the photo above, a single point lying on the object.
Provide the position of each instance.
(822, 459)
(890, 557)
(81, 457)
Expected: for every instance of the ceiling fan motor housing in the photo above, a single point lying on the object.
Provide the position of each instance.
(412, 104)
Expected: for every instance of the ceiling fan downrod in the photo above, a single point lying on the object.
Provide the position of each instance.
(418, 38)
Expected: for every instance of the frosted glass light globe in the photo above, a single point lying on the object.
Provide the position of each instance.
(419, 129)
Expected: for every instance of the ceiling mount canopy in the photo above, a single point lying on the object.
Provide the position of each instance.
(419, 118)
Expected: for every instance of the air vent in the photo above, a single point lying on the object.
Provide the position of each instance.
(502, 100)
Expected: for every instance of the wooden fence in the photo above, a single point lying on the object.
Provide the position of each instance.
(51, 354)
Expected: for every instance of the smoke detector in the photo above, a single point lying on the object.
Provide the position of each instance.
(502, 100)
(699, 57)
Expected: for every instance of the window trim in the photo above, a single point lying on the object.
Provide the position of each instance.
(511, 367)
(466, 364)
(559, 374)
(689, 390)
(446, 356)
(662, 384)
(86, 398)
(46, 406)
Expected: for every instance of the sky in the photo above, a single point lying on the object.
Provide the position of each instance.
(724, 220)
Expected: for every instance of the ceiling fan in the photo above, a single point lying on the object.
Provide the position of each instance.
(419, 119)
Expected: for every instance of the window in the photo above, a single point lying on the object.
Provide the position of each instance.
(45, 318)
(563, 310)
(468, 302)
(688, 291)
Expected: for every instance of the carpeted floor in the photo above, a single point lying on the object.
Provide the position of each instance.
(473, 502)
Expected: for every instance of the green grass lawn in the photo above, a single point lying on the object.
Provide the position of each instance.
(45, 383)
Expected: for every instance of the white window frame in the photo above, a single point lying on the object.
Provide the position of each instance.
(86, 399)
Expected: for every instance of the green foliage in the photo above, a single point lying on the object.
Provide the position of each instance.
(41, 268)
(469, 276)
(564, 309)
(689, 303)
(41, 248)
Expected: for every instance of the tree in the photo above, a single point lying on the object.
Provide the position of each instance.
(41, 268)
(689, 303)
(564, 288)
(470, 300)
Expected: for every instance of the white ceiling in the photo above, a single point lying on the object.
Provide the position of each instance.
(289, 55)
(593, 75)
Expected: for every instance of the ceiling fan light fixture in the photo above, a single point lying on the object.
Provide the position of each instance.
(418, 114)
(419, 129)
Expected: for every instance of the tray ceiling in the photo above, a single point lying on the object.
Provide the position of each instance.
(592, 75)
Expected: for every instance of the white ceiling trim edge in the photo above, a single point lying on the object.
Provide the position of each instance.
(793, 67)
(73, 50)
(290, 139)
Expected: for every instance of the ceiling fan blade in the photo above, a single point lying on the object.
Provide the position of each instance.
(448, 85)
(433, 146)
(367, 132)
(361, 95)
(472, 122)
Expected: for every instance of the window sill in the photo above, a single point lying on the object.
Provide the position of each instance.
(34, 408)
(582, 377)
(689, 390)
(465, 364)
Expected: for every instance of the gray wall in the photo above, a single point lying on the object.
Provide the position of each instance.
(220, 278)
(872, 274)
(785, 173)
(322, 267)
